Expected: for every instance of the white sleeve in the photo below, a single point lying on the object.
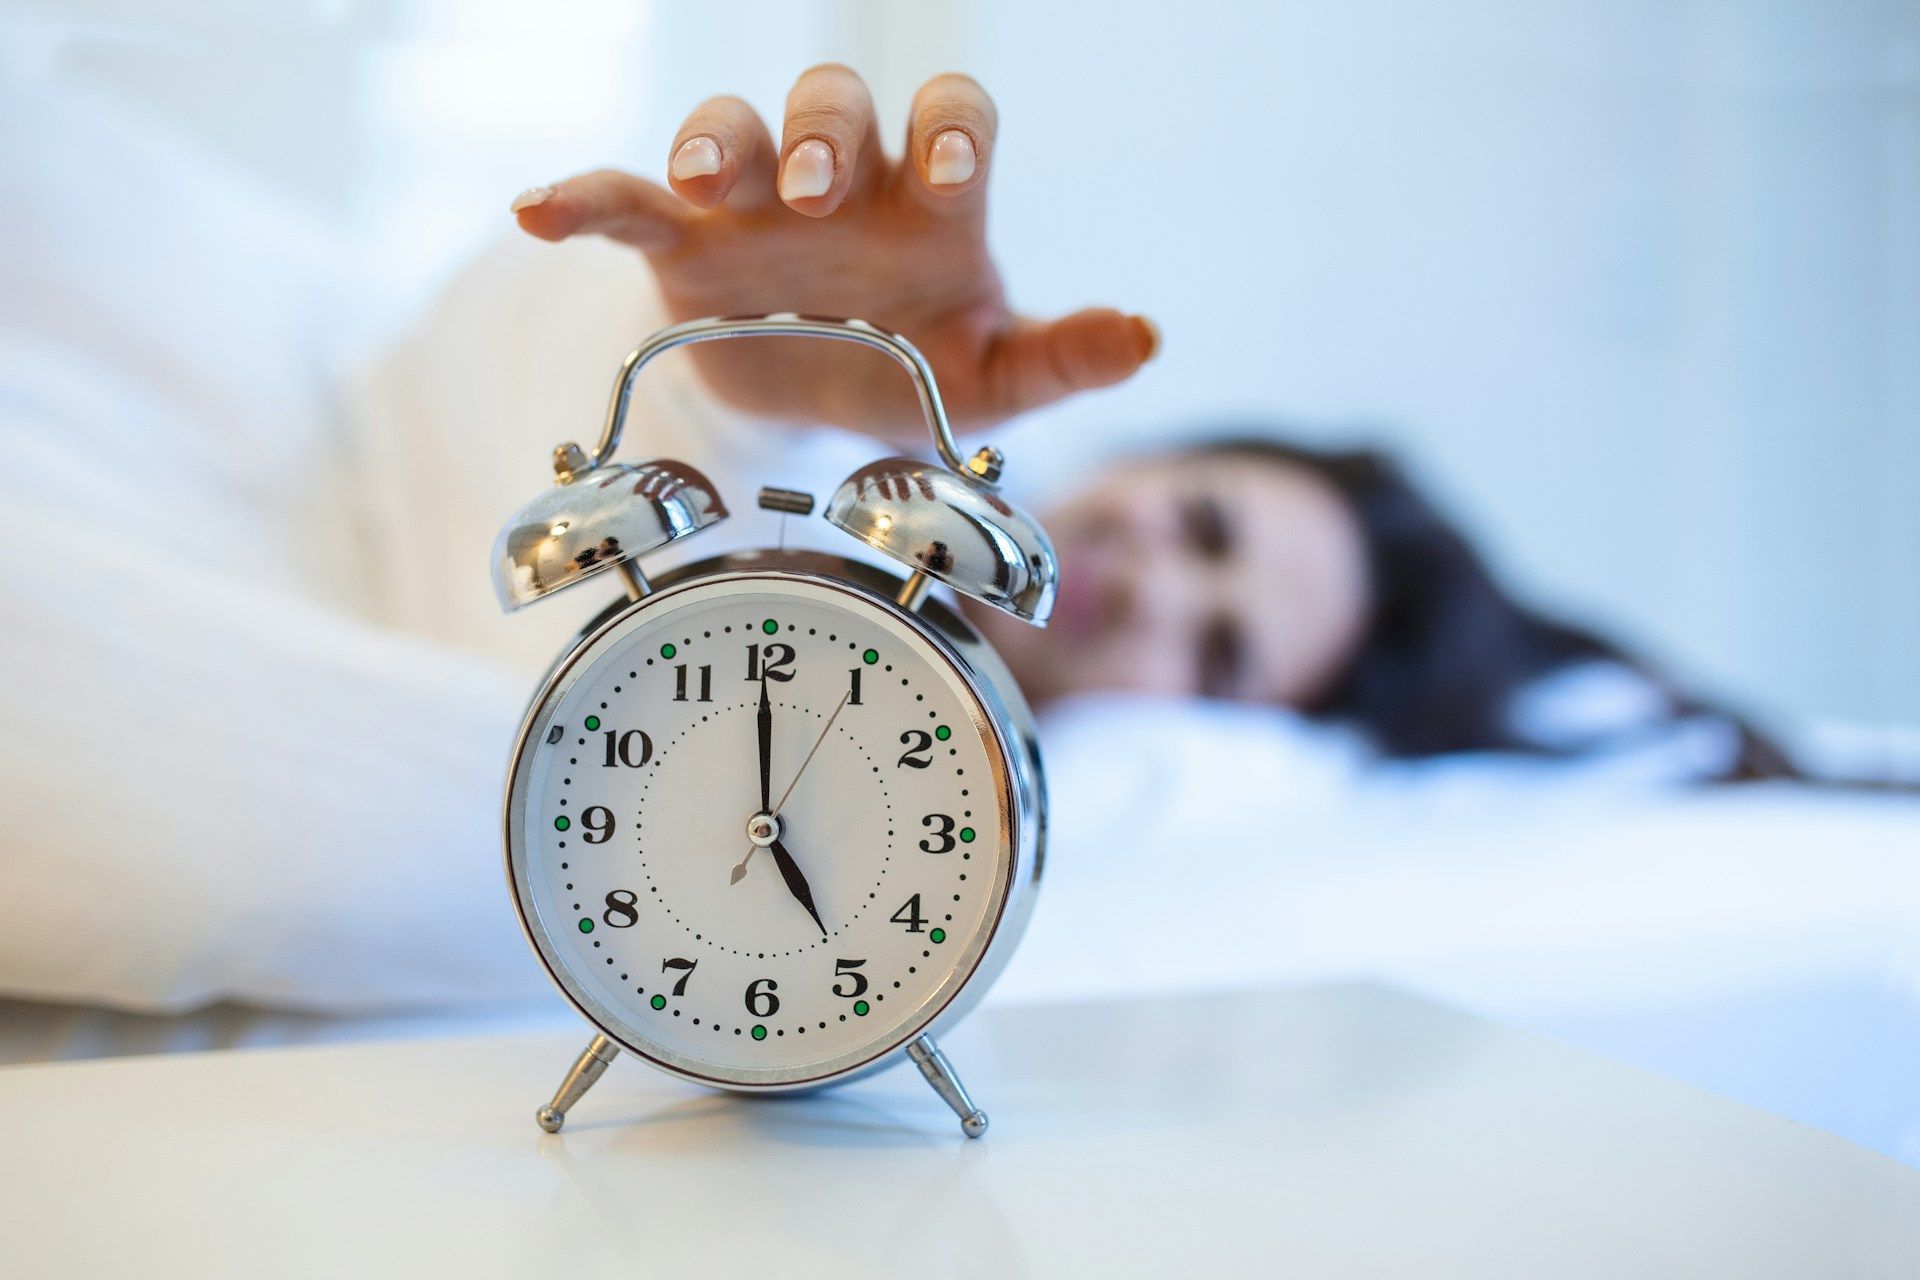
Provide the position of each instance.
(260, 697)
(218, 789)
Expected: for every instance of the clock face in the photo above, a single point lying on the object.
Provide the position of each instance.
(749, 923)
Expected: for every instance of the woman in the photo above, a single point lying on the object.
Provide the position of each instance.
(1323, 582)
(258, 755)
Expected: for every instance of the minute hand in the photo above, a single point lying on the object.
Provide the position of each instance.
(796, 882)
(764, 723)
(740, 868)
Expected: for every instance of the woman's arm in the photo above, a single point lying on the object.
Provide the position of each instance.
(827, 223)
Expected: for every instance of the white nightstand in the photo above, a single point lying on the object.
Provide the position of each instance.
(1310, 1132)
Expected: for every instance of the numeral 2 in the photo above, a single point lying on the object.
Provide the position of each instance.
(919, 747)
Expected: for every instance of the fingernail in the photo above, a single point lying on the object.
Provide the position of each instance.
(808, 171)
(531, 197)
(1151, 333)
(950, 160)
(696, 158)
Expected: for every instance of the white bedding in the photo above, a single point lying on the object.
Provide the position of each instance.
(259, 697)
(1762, 942)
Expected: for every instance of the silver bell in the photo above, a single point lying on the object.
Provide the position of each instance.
(945, 522)
(953, 527)
(595, 518)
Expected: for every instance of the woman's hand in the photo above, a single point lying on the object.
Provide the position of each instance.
(830, 225)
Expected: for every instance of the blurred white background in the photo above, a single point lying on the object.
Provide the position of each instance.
(1636, 285)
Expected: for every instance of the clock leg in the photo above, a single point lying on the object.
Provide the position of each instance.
(934, 1066)
(591, 1065)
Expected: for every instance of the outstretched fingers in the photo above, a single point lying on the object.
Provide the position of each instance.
(722, 152)
(606, 202)
(950, 136)
(830, 149)
(1038, 362)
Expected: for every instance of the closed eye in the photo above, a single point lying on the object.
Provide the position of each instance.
(1204, 523)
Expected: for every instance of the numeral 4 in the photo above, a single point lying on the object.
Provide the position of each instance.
(909, 915)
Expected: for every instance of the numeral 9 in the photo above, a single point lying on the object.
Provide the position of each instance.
(599, 824)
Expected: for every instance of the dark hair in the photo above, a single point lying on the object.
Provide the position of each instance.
(1447, 649)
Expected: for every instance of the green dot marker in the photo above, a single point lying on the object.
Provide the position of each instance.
(658, 1002)
(870, 657)
(938, 935)
(667, 651)
(966, 835)
(560, 823)
(759, 1033)
(586, 925)
(593, 722)
(943, 733)
(860, 1007)
(769, 626)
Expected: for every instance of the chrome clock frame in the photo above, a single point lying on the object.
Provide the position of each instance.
(1017, 773)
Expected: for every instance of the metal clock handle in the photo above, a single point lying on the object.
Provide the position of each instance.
(784, 325)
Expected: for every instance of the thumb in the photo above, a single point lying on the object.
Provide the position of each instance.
(1039, 362)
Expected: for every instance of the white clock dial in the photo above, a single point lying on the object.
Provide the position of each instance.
(757, 940)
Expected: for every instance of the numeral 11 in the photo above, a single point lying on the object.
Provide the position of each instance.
(680, 683)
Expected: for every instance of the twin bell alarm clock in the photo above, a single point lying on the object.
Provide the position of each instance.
(776, 819)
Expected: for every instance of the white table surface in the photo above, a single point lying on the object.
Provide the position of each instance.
(1332, 1131)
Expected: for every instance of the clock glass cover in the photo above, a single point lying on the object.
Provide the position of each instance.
(760, 829)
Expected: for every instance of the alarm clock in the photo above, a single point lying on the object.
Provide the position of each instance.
(776, 819)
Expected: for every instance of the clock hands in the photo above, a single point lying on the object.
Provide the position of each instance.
(815, 747)
(763, 829)
(796, 883)
(766, 755)
(766, 751)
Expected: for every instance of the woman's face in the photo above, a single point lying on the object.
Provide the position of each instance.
(1223, 575)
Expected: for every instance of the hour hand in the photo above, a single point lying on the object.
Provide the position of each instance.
(796, 882)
